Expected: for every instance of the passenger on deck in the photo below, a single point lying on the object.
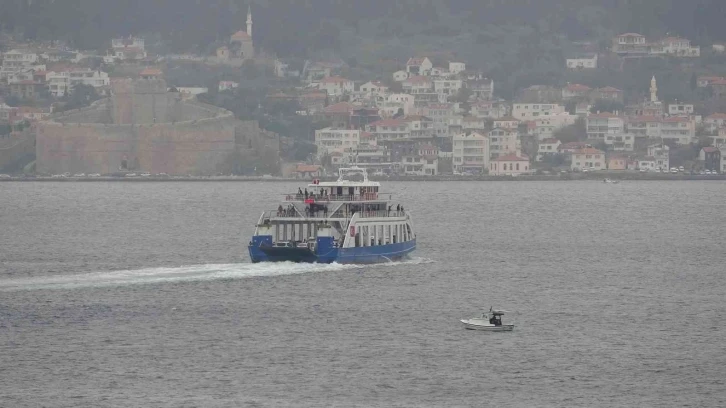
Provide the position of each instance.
(279, 210)
(398, 208)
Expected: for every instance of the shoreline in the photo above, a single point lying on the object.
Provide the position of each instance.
(557, 177)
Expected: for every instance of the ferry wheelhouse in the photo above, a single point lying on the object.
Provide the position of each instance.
(344, 221)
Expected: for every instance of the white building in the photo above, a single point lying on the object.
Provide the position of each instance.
(19, 59)
(446, 88)
(400, 76)
(227, 85)
(329, 140)
(679, 129)
(531, 111)
(506, 122)
(644, 126)
(715, 121)
(128, 48)
(679, 47)
(503, 142)
(374, 88)
(389, 129)
(601, 124)
(473, 124)
(545, 127)
(489, 109)
(509, 165)
(481, 89)
(621, 142)
(582, 62)
(440, 114)
(418, 85)
(336, 86)
(680, 109)
(470, 153)
(661, 155)
(588, 159)
(94, 78)
(456, 67)
(419, 66)
(395, 102)
(424, 163)
(547, 147)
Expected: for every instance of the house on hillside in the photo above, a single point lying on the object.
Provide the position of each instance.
(547, 147)
(307, 171)
(509, 165)
(419, 66)
(582, 62)
(711, 158)
(575, 91)
(588, 159)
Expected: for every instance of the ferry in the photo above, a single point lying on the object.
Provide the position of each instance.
(347, 221)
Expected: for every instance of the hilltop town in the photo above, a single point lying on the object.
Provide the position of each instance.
(429, 115)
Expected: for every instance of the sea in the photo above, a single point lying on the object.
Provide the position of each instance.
(141, 294)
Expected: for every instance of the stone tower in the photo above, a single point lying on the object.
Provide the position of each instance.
(249, 21)
(653, 90)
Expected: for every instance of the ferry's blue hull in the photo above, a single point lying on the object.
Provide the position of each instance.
(357, 255)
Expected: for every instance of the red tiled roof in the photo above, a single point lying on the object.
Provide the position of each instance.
(710, 149)
(307, 168)
(603, 115)
(411, 118)
(609, 89)
(573, 145)
(388, 122)
(340, 107)
(631, 35)
(150, 72)
(240, 35)
(417, 79)
(589, 150)
(577, 87)
(716, 116)
(415, 60)
(675, 119)
(334, 80)
(512, 157)
(721, 81)
(635, 119)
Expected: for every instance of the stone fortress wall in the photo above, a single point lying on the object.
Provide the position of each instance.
(141, 128)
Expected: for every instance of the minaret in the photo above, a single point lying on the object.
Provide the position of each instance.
(653, 90)
(249, 21)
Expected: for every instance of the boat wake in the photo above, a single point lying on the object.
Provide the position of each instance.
(184, 274)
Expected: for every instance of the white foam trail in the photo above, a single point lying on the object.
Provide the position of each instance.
(183, 274)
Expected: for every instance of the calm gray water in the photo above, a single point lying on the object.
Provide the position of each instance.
(141, 294)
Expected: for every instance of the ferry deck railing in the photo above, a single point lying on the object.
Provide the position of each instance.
(320, 215)
(344, 197)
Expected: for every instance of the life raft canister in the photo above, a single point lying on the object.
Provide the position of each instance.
(352, 230)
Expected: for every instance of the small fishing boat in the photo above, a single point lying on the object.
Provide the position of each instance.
(491, 321)
(611, 181)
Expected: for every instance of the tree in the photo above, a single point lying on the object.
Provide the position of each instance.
(694, 81)
(81, 96)
(572, 133)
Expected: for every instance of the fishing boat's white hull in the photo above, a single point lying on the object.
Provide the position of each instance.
(483, 325)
